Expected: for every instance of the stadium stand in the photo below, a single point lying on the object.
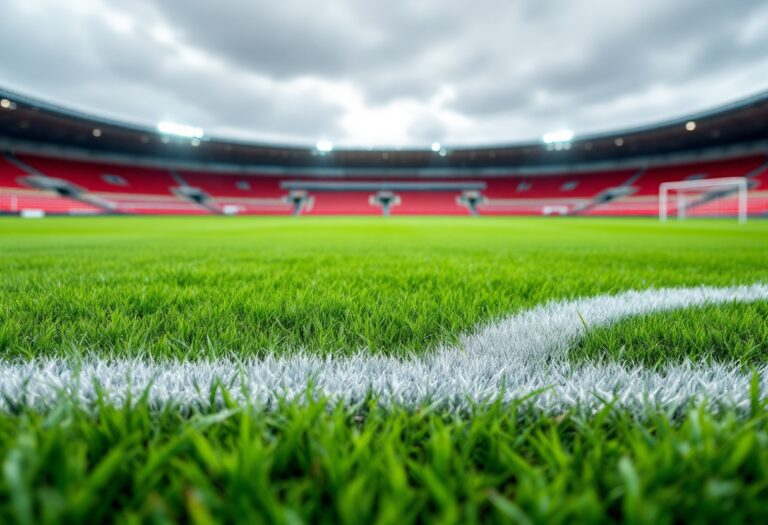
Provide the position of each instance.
(10, 175)
(342, 203)
(429, 203)
(648, 183)
(582, 185)
(142, 190)
(51, 204)
(643, 200)
(234, 186)
(52, 159)
(97, 177)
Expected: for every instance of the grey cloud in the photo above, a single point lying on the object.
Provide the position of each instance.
(390, 53)
(516, 67)
(132, 77)
(620, 64)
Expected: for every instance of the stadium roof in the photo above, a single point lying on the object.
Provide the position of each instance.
(26, 123)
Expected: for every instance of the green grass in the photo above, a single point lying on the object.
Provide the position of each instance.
(197, 287)
(212, 286)
(735, 333)
(320, 464)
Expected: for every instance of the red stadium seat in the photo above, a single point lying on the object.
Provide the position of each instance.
(648, 183)
(10, 175)
(342, 203)
(429, 203)
(143, 190)
(50, 204)
(99, 177)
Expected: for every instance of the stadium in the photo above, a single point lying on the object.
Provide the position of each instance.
(62, 162)
(275, 265)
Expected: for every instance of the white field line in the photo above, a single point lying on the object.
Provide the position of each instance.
(519, 355)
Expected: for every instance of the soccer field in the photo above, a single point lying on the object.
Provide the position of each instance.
(383, 370)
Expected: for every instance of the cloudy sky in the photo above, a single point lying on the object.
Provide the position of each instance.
(386, 72)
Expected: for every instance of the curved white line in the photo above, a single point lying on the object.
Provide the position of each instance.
(515, 357)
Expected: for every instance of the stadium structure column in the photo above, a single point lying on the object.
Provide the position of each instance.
(386, 199)
(471, 199)
(298, 200)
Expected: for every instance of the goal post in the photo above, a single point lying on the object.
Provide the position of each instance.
(707, 189)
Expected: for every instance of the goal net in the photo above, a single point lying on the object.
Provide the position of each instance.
(725, 197)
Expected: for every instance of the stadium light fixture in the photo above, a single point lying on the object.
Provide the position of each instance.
(436, 147)
(170, 128)
(556, 137)
(324, 146)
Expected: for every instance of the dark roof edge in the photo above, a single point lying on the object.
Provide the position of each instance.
(714, 153)
(757, 98)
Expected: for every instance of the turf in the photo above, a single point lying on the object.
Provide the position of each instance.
(736, 333)
(319, 464)
(211, 286)
(205, 287)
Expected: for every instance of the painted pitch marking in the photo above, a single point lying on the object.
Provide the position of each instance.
(521, 354)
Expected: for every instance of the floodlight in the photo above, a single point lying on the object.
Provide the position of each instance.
(435, 147)
(5, 103)
(690, 125)
(324, 146)
(181, 130)
(553, 137)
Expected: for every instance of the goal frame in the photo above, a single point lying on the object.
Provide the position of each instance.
(679, 187)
